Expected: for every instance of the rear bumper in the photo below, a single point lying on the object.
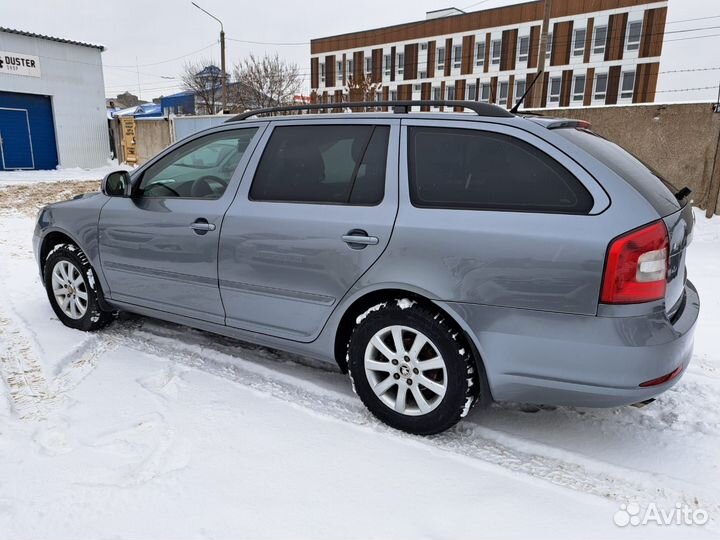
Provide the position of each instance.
(590, 361)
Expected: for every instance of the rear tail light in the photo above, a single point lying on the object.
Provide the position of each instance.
(662, 380)
(636, 266)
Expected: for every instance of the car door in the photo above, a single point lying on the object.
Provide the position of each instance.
(159, 247)
(315, 211)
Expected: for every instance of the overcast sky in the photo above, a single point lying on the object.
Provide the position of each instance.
(161, 35)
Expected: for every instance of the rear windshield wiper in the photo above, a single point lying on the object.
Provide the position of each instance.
(683, 193)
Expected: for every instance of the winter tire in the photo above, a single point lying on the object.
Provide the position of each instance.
(73, 290)
(411, 368)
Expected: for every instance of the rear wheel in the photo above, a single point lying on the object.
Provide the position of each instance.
(72, 289)
(411, 368)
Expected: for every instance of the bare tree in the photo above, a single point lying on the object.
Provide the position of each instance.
(264, 82)
(362, 89)
(204, 79)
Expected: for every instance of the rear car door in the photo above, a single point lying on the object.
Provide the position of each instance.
(315, 211)
(159, 247)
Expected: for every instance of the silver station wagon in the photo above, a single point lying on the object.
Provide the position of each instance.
(443, 259)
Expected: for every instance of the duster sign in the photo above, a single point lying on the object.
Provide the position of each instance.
(19, 64)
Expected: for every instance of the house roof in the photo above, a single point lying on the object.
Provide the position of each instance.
(51, 38)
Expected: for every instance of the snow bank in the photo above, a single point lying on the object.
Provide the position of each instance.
(60, 174)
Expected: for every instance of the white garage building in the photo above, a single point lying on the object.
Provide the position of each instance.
(52, 103)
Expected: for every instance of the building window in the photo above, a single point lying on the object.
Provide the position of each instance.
(436, 93)
(322, 73)
(579, 88)
(634, 31)
(400, 63)
(548, 50)
(495, 51)
(441, 58)
(519, 89)
(393, 95)
(350, 72)
(485, 92)
(601, 80)
(339, 70)
(504, 87)
(579, 42)
(368, 65)
(450, 92)
(423, 46)
(378, 96)
(417, 87)
(628, 85)
(523, 48)
(387, 62)
(457, 56)
(600, 40)
(480, 54)
(472, 92)
(554, 90)
(422, 75)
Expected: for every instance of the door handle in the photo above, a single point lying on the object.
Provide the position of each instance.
(201, 226)
(359, 239)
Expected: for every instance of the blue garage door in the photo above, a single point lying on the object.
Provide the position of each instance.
(27, 132)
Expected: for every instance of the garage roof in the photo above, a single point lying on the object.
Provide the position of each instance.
(51, 38)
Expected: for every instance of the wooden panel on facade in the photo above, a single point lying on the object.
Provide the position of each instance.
(468, 55)
(611, 95)
(448, 56)
(442, 92)
(534, 46)
(511, 92)
(617, 26)
(459, 93)
(358, 65)
(645, 82)
(566, 87)
(315, 72)
(545, 83)
(330, 70)
(509, 49)
(588, 40)
(589, 83)
(431, 59)
(404, 91)
(652, 32)
(385, 96)
(411, 62)
(493, 89)
(562, 43)
(377, 58)
(487, 52)
(344, 69)
(392, 63)
(425, 94)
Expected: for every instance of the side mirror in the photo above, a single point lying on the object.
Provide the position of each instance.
(116, 184)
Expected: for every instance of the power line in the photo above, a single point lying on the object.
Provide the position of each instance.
(168, 60)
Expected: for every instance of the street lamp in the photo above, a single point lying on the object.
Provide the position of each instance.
(222, 54)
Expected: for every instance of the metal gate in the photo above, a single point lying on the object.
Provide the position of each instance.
(27, 132)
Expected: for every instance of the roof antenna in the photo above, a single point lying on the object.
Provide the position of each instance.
(514, 110)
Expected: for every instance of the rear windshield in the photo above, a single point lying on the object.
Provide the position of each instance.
(658, 191)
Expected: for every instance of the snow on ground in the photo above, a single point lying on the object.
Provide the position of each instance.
(153, 430)
(59, 174)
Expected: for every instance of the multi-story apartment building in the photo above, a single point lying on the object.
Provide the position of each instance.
(599, 52)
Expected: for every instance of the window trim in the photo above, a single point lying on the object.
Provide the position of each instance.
(578, 49)
(263, 144)
(495, 44)
(635, 45)
(480, 58)
(520, 56)
(632, 90)
(599, 197)
(599, 49)
(574, 94)
(440, 53)
(457, 56)
(550, 95)
(606, 77)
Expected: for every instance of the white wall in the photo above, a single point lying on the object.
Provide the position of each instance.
(72, 75)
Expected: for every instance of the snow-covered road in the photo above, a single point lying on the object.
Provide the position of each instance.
(149, 430)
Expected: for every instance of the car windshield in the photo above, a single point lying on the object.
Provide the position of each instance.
(657, 190)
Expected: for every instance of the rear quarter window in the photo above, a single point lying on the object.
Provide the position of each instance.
(481, 170)
(655, 189)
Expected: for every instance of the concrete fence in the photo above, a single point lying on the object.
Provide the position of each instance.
(681, 141)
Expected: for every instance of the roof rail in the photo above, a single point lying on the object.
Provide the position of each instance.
(398, 107)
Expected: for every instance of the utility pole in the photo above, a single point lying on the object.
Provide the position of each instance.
(222, 55)
(536, 101)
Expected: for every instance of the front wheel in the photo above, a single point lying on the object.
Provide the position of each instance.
(411, 368)
(72, 289)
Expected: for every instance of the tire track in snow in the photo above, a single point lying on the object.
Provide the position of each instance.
(465, 440)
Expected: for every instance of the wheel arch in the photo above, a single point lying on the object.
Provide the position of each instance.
(49, 241)
(366, 300)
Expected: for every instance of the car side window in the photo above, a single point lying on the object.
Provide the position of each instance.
(200, 169)
(476, 170)
(323, 164)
